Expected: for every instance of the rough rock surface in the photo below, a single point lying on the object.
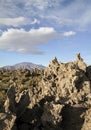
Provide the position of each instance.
(62, 101)
(87, 120)
(15, 105)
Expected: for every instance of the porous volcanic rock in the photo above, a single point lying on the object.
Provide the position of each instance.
(87, 120)
(14, 106)
(61, 101)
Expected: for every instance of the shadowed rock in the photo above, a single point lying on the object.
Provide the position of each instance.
(15, 105)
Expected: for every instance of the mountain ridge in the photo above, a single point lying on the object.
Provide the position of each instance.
(23, 65)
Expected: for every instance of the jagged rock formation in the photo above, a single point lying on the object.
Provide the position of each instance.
(68, 82)
(87, 120)
(15, 105)
(61, 101)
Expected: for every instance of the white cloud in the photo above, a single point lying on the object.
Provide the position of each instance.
(70, 33)
(28, 42)
(43, 4)
(56, 13)
(17, 21)
(12, 21)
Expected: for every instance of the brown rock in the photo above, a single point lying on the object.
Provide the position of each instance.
(61, 101)
(87, 120)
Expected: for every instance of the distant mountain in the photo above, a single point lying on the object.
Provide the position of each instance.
(23, 65)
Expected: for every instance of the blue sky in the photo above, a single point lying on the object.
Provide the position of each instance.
(38, 30)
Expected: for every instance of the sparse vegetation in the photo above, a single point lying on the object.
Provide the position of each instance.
(24, 78)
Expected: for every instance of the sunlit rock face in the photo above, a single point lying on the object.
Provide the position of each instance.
(61, 101)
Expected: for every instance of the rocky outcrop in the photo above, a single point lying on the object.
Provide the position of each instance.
(67, 82)
(61, 101)
(87, 120)
(15, 105)
(7, 121)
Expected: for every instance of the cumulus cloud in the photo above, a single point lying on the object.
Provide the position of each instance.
(17, 21)
(28, 41)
